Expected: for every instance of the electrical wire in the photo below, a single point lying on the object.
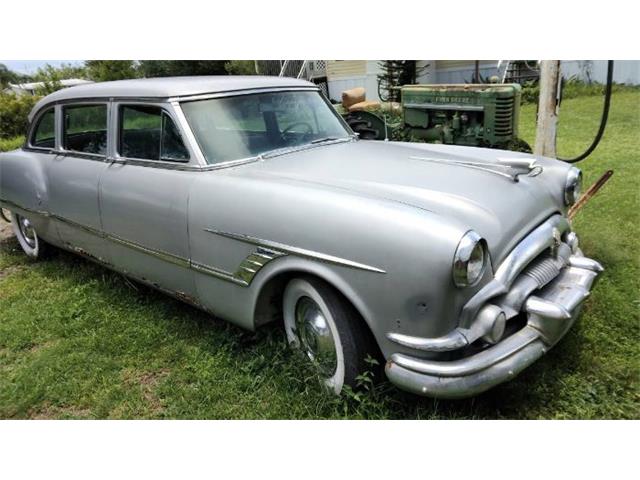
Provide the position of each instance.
(603, 119)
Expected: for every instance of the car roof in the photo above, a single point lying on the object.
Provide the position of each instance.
(168, 87)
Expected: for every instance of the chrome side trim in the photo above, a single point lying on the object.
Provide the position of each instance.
(300, 252)
(167, 257)
(81, 226)
(243, 276)
(251, 265)
(218, 273)
(247, 270)
(8, 204)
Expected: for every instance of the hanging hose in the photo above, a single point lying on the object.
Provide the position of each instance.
(603, 120)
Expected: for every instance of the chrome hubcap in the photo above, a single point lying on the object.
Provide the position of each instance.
(28, 233)
(314, 335)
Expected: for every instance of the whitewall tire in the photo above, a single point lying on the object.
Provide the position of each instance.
(328, 330)
(27, 236)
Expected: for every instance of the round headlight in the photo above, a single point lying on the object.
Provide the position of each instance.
(573, 186)
(469, 260)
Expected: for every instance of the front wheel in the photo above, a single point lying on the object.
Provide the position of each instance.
(27, 236)
(328, 330)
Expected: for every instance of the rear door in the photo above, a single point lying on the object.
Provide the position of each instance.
(144, 195)
(74, 175)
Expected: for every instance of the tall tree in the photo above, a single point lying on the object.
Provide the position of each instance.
(51, 76)
(395, 74)
(177, 68)
(9, 76)
(241, 67)
(49, 73)
(105, 70)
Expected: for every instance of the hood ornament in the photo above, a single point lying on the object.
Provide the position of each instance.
(510, 168)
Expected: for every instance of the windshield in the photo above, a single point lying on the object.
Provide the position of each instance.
(244, 126)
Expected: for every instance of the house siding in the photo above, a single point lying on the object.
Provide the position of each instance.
(337, 69)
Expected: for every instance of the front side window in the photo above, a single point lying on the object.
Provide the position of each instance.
(44, 135)
(148, 133)
(233, 128)
(85, 129)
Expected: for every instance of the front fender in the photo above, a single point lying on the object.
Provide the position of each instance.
(231, 213)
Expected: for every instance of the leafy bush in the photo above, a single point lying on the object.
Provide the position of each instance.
(11, 143)
(14, 110)
(530, 92)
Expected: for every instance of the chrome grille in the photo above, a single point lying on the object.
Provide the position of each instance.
(544, 269)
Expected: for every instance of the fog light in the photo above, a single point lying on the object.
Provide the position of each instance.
(493, 321)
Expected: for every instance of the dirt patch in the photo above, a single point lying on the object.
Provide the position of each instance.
(148, 383)
(46, 411)
(9, 271)
(5, 230)
(42, 346)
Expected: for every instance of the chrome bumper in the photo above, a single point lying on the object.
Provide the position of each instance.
(550, 310)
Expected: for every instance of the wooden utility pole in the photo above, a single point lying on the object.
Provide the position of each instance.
(547, 108)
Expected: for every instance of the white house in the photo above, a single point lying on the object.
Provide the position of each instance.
(33, 87)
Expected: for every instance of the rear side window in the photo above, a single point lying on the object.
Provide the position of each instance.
(44, 135)
(85, 129)
(148, 133)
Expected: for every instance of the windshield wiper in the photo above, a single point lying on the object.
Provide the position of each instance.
(328, 139)
(296, 148)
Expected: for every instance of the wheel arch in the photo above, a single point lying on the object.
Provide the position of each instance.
(269, 289)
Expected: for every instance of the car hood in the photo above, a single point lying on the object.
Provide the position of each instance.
(498, 208)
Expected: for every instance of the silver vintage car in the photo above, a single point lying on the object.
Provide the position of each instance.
(249, 197)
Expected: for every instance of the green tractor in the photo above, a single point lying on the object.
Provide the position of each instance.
(480, 115)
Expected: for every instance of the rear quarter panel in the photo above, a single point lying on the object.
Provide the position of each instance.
(24, 188)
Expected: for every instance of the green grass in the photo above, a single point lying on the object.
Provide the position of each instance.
(78, 341)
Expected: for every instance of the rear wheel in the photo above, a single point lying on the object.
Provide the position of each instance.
(328, 330)
(27, 236)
